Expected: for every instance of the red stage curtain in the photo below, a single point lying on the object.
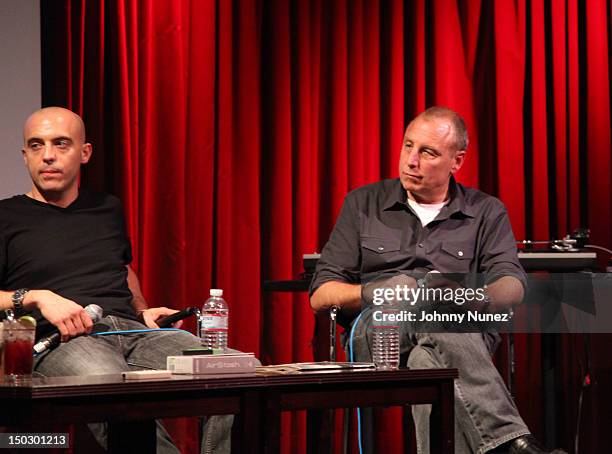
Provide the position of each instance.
(232, 130)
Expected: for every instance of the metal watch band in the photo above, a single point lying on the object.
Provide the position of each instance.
(17, 299)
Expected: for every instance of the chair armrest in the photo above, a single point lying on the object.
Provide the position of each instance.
(333, 316)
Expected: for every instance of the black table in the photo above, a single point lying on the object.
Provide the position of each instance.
(131, 407)
(365, 389)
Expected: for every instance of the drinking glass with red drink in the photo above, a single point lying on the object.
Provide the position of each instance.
(18, 343)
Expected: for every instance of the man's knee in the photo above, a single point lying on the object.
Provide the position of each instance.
(52, 368)
(470, 344)
(422, 358)
(80, 356)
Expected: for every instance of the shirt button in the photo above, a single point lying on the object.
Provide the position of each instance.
(460, 253)
(420, 244)
(380, 248)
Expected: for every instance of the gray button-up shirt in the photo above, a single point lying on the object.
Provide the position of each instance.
(377, 232)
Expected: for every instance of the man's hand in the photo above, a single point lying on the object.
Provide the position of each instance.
(151, 316)
(70, 318)
(435, 279)
(392, 282)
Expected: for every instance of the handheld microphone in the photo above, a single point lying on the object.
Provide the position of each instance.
(169, 320)
(52, 340)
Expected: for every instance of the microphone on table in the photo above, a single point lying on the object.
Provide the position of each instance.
(53, 340)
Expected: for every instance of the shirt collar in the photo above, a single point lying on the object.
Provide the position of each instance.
(457, 202)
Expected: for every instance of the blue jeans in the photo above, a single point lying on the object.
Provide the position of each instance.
(113, 354)
(485, 414)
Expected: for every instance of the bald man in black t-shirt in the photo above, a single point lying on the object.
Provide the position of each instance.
(61, 249)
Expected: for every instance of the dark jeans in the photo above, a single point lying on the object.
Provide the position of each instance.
(485, 414)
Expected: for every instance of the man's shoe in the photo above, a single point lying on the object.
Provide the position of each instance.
(527, 444)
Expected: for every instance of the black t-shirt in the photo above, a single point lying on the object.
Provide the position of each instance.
(78, 252)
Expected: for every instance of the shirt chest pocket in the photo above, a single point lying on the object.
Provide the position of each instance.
(377, 253)
(454, 257)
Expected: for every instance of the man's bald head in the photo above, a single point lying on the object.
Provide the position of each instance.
(55, 115)
(460, 134)
(54, 149)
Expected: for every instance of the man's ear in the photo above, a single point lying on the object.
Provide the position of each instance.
(86, 152)
(458, 161)
(25, 159)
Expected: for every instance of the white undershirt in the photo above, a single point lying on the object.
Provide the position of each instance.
(426, 212)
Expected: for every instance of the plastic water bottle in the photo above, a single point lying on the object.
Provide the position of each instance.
(385, 342)
(214, 321)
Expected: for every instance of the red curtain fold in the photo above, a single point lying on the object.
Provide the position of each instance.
(598, 146)
(232, 130)
(509, 65)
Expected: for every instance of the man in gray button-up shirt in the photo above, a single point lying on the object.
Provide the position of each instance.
(421, 222)
(471, 234)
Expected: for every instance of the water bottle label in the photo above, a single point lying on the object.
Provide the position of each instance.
(214, 322)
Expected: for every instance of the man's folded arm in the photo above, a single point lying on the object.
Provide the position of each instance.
(337, 279)
(138, 300)
(5, 300)
(352, 298)
(335, 293)
(505, 278)
(149, 316)
(505, 292)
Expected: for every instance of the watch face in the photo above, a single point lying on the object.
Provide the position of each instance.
(18, 298)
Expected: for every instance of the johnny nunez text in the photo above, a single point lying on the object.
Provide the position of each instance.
(435, 316)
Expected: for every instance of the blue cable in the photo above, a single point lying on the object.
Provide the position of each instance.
(351, 359)
(134, 331)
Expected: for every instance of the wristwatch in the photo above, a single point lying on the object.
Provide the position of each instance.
(17, 299)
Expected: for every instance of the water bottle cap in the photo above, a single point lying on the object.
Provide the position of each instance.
(216, 292)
